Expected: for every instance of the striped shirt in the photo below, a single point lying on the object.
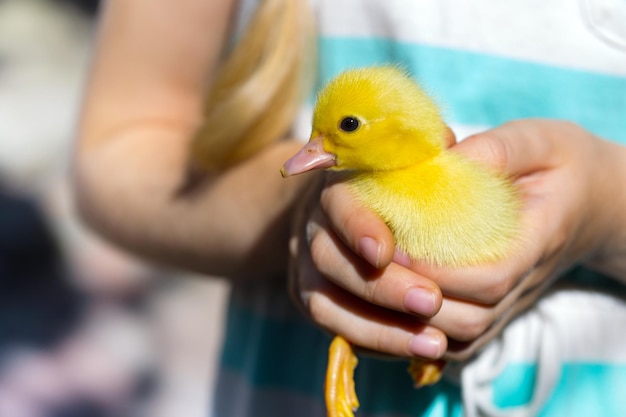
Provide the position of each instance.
(487, 62)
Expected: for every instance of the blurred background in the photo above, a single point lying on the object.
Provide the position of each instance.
(86, 330)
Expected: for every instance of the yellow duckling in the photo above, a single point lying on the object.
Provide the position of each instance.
(380, 128)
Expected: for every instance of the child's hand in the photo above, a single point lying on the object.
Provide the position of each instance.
(347, 295)
(571, 185)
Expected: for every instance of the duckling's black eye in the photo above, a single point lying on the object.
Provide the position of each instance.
(349, 124)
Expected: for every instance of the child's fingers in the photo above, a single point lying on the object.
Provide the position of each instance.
(515, 148)
(393, 287)
(371, 327)
(362, 230)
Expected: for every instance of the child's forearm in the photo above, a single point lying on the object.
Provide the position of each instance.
(153, 63)
(128, 189)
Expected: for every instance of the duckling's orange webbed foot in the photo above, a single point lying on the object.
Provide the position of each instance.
(341, 400)
(426, 372)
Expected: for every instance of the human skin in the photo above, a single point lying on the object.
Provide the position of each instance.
(154, 61)
(572, 213)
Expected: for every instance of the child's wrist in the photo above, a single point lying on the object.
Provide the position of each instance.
(610, 258)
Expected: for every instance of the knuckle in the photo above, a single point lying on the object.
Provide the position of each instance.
(499, 151)
(319, 248)
(381, 341)
(330, 197)
(572, 127)
(317, 308)
(471, 327)
(341, 208)
(326, 198)
(345, 226)
(496, 291)
(492, 147)
(370, 291)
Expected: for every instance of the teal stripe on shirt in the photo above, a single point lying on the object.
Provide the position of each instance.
(586, 389)
(487, 90)
(291, 354)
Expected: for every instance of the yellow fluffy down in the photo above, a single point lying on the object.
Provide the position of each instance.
(441, 207)
(446, 211)
(378, 127)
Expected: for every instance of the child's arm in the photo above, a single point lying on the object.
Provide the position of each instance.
(153, 62)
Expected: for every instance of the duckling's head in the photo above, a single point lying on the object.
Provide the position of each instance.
(371, 119)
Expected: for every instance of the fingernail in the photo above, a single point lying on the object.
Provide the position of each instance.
(401, 258)
(426, 346)
(420, 301)
(370, 250)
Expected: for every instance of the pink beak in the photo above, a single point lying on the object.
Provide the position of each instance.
(311, 156)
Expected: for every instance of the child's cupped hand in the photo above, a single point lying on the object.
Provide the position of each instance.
(350, 280)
